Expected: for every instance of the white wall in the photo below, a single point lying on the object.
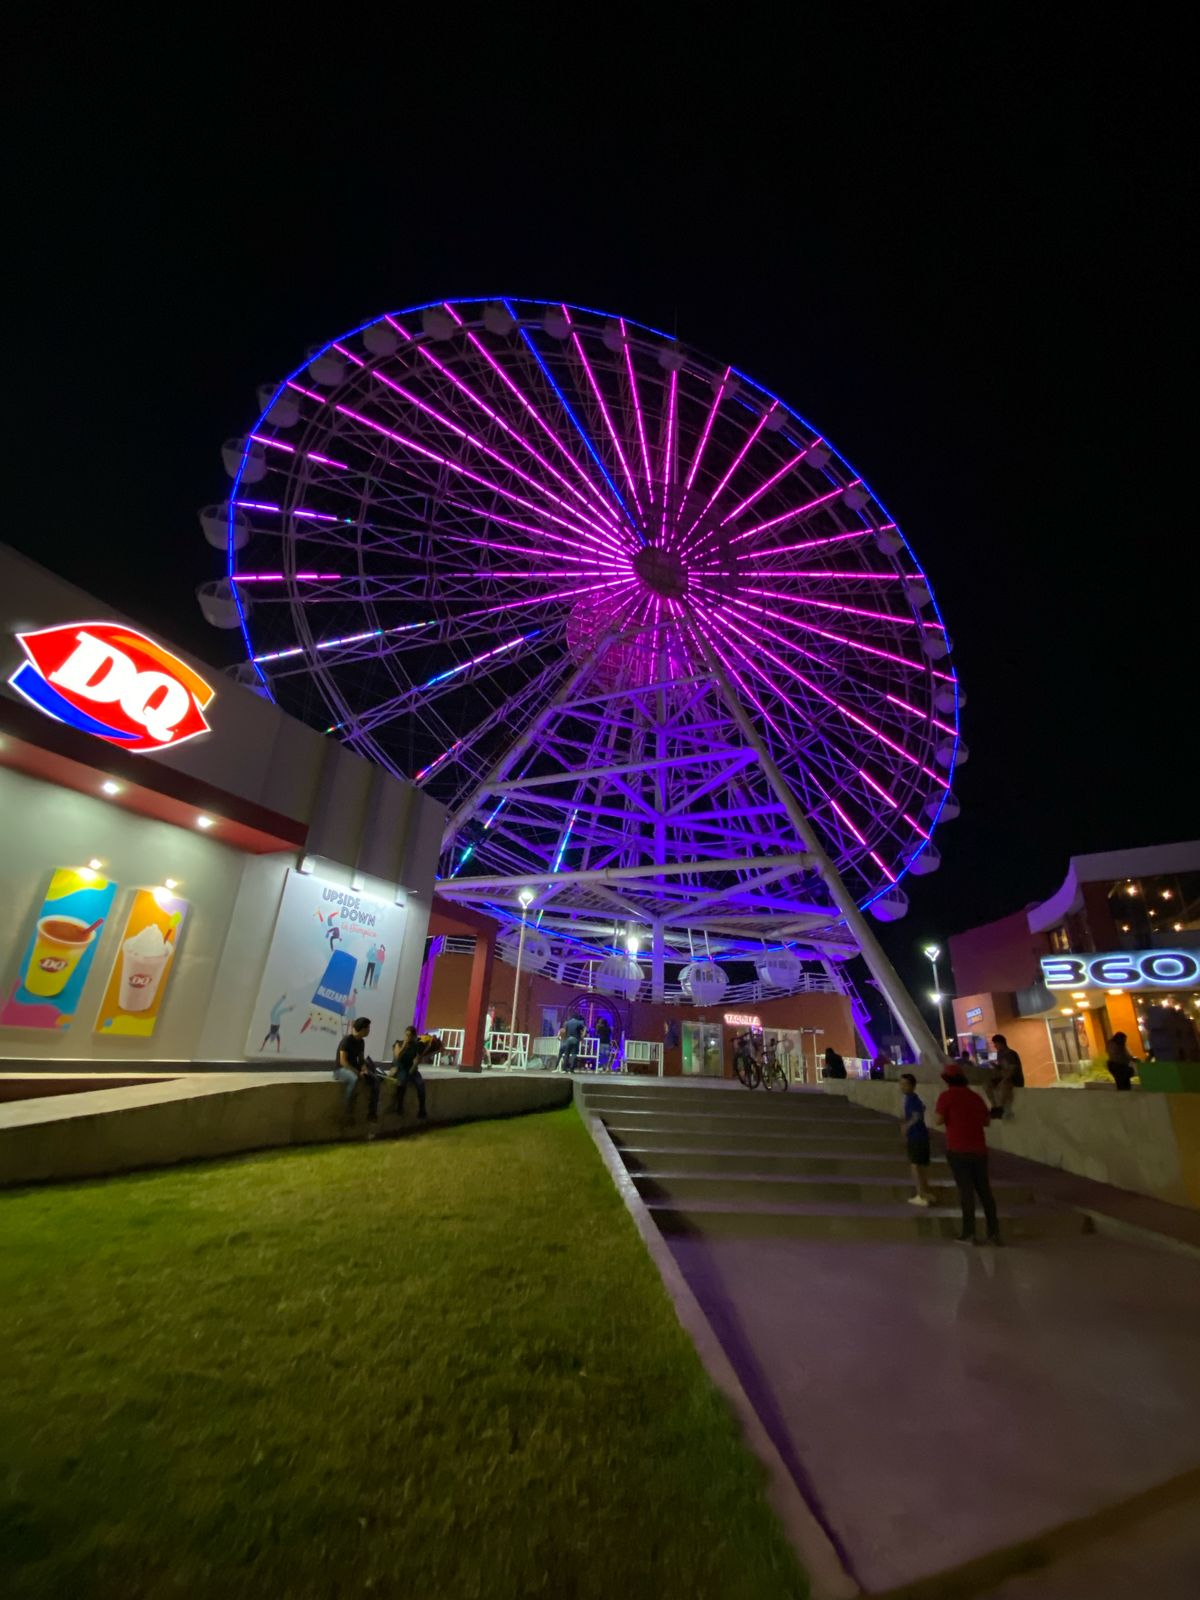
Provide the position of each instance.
(43, 827)
(233, 902)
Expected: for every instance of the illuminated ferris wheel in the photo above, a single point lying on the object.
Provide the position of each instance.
(657, 646)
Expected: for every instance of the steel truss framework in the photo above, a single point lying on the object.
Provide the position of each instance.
(655, 643)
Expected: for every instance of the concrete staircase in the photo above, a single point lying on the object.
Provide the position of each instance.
(720, 1161)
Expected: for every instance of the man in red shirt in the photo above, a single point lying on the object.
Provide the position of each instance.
(965, 1115)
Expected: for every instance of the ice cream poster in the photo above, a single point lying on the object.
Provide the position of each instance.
(61, 949)
(143, 963)
(333, 957)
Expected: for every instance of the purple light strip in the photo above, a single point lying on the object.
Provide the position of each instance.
(637, 411)
(310, 393)
(737, 461)
(813, 544)
(608, 422)
(854, 644)
(543, 599)
(486, 449)
(349, 638)
(926, 716)
(457, 466)
(889, 875)
(844, 817)
(538, 532)
(596, 504)
(478, 345)
(797, 511)
(433, 765)
(278, 444)
(307, 516)
(621, 564)
(853, 716)
(834, 605)
(770, 483)
(712, 417)
(280, 577)
(819, 572)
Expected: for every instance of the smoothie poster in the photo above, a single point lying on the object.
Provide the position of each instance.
(61, 948)
(142, 966)
(333, 957)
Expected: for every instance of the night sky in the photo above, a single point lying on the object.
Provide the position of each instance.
(953, 242)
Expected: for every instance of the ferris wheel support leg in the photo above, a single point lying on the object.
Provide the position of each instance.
(519, 746)
(914, 1026)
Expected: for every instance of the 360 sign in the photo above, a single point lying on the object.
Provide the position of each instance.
(113, 682)
(1131, 969)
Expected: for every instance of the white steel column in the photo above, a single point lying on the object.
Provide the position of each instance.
(916, 1030)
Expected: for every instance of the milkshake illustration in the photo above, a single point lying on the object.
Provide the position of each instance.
(144, 959)
(60, 943)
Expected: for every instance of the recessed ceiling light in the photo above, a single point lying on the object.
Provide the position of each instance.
(204, 822)
(170, 883)
(109, 787)
(95, 863)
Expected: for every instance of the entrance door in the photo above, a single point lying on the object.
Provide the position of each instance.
(1064, 1046)
(701, 1050)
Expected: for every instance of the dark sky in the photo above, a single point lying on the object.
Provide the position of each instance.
(951, 237)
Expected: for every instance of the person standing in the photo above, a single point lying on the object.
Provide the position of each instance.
(568, 1050)
(604, 1041)
(916, 1140)
(1121, 1064)
(964, 1115)
(406, 1068)
(352, 1064)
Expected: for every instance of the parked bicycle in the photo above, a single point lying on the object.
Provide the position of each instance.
(772, 1073)
(747, 1068)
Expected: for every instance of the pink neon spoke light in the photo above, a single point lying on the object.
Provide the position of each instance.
(492, 544)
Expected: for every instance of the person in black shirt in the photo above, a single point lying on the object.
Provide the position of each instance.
(353, 1064)
(604, 1040)
(406, 1057)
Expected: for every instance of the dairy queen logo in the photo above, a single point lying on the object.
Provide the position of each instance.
(111, 681)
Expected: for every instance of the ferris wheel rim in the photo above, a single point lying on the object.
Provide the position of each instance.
(904, 865)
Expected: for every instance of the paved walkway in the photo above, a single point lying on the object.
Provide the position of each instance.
(939, 1402)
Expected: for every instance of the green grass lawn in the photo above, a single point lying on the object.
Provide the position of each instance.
(439, 1366)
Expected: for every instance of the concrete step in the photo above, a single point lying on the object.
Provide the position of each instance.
(744, 1113)
(706, 1135)
(829, 1220)
(728, 1102)
(846, 1188)
(651, 1155)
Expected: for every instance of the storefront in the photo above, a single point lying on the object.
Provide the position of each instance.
(188, 873)
(1115, 950)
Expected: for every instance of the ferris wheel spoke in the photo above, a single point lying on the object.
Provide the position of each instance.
(594, 499)
(577, 343)
(461, 469)
(698, 454)
(764, 488)
(603, 530)
(751, 440)
(637, 412)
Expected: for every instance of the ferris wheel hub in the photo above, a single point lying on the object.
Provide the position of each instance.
(661, 571)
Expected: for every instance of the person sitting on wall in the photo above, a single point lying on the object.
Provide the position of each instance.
(835, 1067)
(407, 1055)
(352, 1063)
(880, 1065)
(1005, 1077)
(1121, 1065)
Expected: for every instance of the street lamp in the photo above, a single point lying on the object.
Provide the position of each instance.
(526, 899)
(932, 954)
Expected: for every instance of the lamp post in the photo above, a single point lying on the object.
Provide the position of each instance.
(932, 953)
(526, 899)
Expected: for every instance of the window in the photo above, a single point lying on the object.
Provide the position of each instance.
(1060, 939)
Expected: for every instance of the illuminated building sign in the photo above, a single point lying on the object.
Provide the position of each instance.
(113, 682)
(1132, 969)
(740, 1019)
(975, 1014)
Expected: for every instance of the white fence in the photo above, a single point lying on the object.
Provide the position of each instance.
(642, 1054)
(452, 1045)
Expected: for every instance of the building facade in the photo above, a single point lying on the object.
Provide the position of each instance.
(1115, 949)
(188, 874)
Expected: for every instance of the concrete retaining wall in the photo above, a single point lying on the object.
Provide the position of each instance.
(157, 1124)
(1147, 1143)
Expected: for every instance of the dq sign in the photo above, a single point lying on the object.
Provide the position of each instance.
(1136, 969)
(110, 681)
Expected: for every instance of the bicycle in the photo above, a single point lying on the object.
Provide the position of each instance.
(746, 1067)
(772, 1074)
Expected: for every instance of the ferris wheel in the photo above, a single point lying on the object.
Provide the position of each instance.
(656, 645)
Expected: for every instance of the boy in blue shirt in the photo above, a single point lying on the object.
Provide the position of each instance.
(916, 1138)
